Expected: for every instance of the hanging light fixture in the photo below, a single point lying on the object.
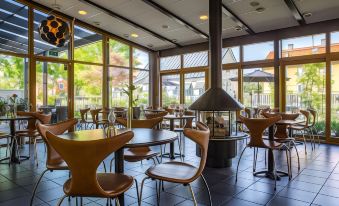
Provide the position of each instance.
(54, 30)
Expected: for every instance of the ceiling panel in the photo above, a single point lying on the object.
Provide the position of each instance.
(321, 10)
(276, 14)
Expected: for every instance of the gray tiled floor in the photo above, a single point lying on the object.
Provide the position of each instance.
(316, 184)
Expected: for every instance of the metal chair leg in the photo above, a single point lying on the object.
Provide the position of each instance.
(35, 152)
(36, 186)
(305, 144)
(137, 188)
(208, 189)
(236, 174)
(62, 199)
(255, 158)
(141, 188)
(104, 166)
(288, 165)
(193, 196)
(111, 164)
(275, 172)
(117, 202)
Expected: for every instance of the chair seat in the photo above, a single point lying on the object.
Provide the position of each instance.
(138, 154)
(57, 166)
(113, 184)
(27, 133)
(297, 127)
(178, 172)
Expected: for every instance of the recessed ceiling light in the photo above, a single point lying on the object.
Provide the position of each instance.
(56, 6)
(254, 3)
(238, 28)
(203, 17)
(96, 23)
(260, 9)
(134, 35)
(307, 14)
(165, 26)
(82, 12)
(150, 45)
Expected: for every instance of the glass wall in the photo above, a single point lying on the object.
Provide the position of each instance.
(306, 45)
(118, 80)
(230, 82)
(196, 59)
(141, 77)
(170, 89)
(259, 51)
(118, 53)
(87, 45)
(87, 87)
(12, 76)
(230, 55)
(305, 88)
(169, 63)
(258, 87)
(335, 99)
(194, 86)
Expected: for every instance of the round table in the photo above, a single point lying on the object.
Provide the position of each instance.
(154, 110)
(12, 120)
(142, 137)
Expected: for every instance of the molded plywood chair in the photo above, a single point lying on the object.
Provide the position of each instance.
(95, 118)
(84, 122)
(140, 153)
(181, 172)
(53, 161)
(256, 129)
(312, 127)
(304, 128)
(83, 159)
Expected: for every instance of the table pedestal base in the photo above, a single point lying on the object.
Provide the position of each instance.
(270, 174)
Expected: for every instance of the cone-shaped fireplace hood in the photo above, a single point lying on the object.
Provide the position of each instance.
(215, 98)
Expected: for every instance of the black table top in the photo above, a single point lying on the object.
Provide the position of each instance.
(142, 136)
(234, 137)
(178, 117)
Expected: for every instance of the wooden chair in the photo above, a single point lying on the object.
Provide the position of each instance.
(84, 121)
(181, 172)
(4, 135)
(83, 159)
(304, 128)
(140, 153)
(31, 131)
(256, 128)
(53, 160)
(95, 119)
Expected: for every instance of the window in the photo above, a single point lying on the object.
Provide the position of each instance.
(306, 45)
(258, 87)
(118, 80)
(259, 51)
(141, 81)
(230, 55)
(335, 41)
(194, 86)
(170, 87)
(197, 59)
(334, 100)
(118, 53)
(14, 27)
(171, 62)
(140, 59)
(306, 91)
(230, 82)
(87, 86)
(12, 76)
(43, 48)
(87, 45)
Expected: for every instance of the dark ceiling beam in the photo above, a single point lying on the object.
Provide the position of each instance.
(128, 21)
(228, 12)
(176, 18)
(295, 11)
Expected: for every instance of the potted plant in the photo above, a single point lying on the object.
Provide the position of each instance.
(134, 101)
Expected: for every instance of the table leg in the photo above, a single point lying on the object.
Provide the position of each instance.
(14, 158)
(119, 168)
(172, 124)
(172, 155)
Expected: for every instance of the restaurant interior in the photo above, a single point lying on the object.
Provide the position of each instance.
(169, 102)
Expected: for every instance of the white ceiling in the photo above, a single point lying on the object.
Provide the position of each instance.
(275, 16)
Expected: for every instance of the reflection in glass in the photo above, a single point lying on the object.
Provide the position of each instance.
(306, 45)
(141, 81)
(334, 100)
(230, 82)
(171, 62)
(87, 45)
(140, 59)
(230, 55)
(196, 59)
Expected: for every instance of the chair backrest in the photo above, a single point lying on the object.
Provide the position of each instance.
(95, 115)
(53, 158)
(43, 118)
(306, 115)
(314, 114)
(83, 159)
(257, 127)
(200, 137)
(275, 110)
(169, 110)
(83, 114)
(31, 122)
(155, 115)
(292, 116)
(248, 112)
(137, 123)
